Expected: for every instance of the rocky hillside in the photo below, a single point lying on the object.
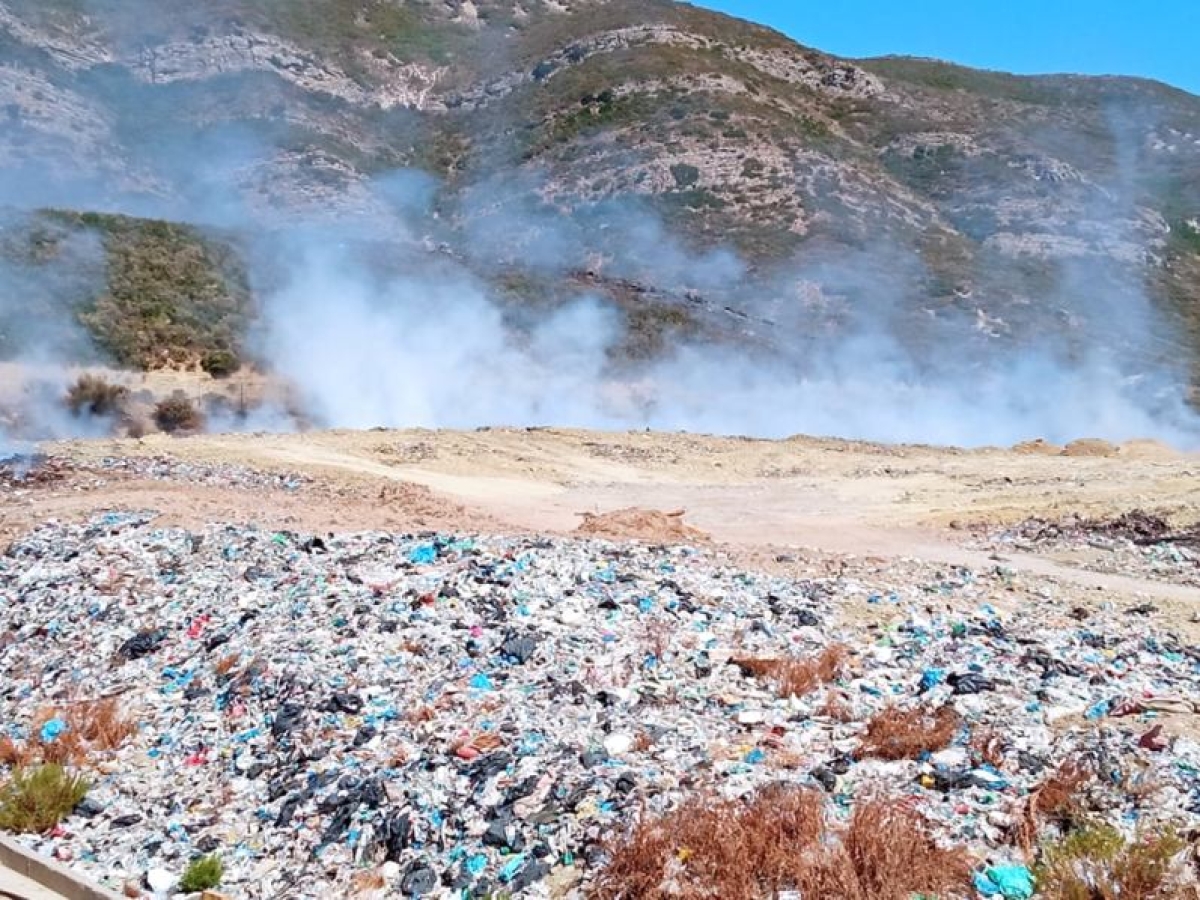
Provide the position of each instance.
(1014, 203)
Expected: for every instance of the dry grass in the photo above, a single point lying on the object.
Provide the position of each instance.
(1056, 799)
(907, 734)
(837, 709)
(101, 724)
(12, 754)
(756, 667)
(92, 727)
(795, 677)
(888, 853)
(778, 840)
(367, 882)
(714, 847)
(988, 746)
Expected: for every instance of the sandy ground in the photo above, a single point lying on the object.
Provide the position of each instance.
(760, 498)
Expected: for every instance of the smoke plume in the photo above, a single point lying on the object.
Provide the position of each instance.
(378, 299)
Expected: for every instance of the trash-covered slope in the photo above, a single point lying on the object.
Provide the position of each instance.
(447, 715)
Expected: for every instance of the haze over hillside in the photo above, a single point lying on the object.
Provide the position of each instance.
(596, 213)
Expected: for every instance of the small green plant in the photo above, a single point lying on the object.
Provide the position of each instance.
(685, 175)
(1097, 862)
(1187, 235)
(203, 874)
(37, 799)
(220, 363)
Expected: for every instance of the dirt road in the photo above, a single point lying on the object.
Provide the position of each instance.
(837, 497)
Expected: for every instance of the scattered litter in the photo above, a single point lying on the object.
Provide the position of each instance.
(1009, 882)
(1137, 543)
(455, 715)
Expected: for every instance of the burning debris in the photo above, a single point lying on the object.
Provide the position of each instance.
(24, 470)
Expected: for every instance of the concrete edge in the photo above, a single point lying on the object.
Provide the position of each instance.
(50, 874)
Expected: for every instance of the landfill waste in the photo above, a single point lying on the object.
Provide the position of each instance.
(458, 715)
(1009, 882)
(165, 468)
(1135, 543)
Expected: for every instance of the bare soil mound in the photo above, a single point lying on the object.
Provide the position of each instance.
(1091, 447)
(634, 523)
(1038, 447)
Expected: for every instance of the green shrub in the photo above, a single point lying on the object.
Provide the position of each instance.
(1186, 235)
(685, 175)
(1097, 862)
(203, 874)
(220, 363)
(168, 293)
(37, 799)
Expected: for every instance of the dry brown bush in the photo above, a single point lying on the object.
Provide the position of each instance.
(778, 840)
(12, 754)
(888, 853)
(369, 882)
(907, 733)
(136, 427)
(756, 667)
(177, 413)
(101, 724)
(793, 676)
(988, 746)
(835, 707)
(1055, 799)
(734, 849)
(95, 395)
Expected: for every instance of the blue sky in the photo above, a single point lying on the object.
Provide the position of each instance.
(1152, 39)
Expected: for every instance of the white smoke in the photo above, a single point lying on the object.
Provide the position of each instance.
(421, 339)
(437, 351)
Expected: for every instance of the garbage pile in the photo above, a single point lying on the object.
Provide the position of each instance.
(1135, 543)
(166, 468)
(445, 715)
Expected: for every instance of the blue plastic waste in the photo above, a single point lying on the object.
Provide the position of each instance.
(1099, 711)
(481, 682)
(423, 555)
(52, 730)
(512, 867)
(1009, 882)
(931, 678)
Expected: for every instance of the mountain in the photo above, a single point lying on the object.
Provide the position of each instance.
(1018, 205)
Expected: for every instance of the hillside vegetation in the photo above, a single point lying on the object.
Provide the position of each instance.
(1008, 198)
